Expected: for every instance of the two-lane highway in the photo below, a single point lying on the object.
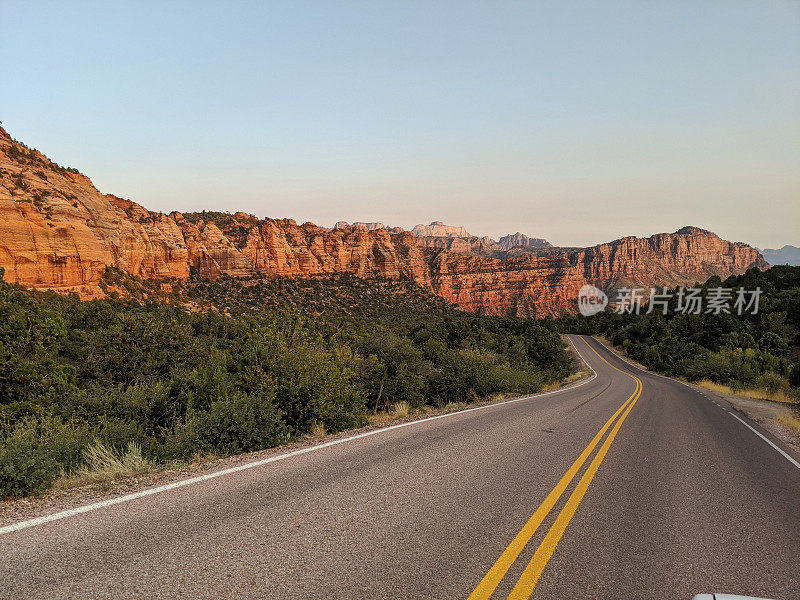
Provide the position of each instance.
(628, 485)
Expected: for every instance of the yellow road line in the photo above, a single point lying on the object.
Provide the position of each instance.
(530, 576)
(492, 579)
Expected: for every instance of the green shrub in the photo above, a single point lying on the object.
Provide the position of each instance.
(239, 424)
(313, 385)
(744, 350)
(25, 467)
(772, 382)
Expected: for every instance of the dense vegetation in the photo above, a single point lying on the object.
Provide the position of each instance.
(138, 368)
(339, 294)
(749, 350)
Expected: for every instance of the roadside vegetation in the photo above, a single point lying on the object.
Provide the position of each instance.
(754, 355)
(96, 390)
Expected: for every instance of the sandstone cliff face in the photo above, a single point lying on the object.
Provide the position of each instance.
(523, 286)
(463, 245)
(439, 229)
(508, 245)
(520, 240)
(282, 247)
(667, 259)
(58, 231)
(370, 226)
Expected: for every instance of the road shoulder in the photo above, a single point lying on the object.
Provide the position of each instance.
(766, 413)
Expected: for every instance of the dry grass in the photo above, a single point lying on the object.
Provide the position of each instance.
(550, 386)
(554, 385)
(790, 421)
(104, 465)
(379, 418)
(401, 410)
(576, 376)
(761, 394)
(317, 430)
(451, 406)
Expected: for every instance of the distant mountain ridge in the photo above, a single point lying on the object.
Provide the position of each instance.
(57, 231)
(457, 239)
(367, 226)
(787, 255)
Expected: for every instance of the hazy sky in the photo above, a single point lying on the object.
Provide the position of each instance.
(575, 121)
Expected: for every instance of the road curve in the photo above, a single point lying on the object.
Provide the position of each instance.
(628, 486)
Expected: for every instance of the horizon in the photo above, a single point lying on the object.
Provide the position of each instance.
(410, 227)
(405, 227)
(579, 127)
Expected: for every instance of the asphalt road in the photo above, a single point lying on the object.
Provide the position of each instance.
(675, 497)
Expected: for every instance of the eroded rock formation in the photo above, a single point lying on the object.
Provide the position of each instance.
(57, 231)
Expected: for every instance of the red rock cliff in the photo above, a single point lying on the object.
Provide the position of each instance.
(667, 259)
(58, 231)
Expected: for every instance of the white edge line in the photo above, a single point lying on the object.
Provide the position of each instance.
(640, 369)
(184, 482)
(745, 423)
(765, 438)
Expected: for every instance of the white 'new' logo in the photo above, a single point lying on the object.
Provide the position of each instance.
(591, 300)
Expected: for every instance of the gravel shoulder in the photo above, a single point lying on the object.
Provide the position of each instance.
(764, 412)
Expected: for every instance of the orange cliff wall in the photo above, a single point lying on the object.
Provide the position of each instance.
(58, 231)
(524, 286)
(667, 259)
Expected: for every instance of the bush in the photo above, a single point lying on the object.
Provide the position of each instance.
(239, 424)
(25, 467)
(467, 375)
(311, 385)
(772, 383)
(736, 350)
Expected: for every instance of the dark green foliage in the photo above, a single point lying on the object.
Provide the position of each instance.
(139, 367)
(758, 350)
(25, 467)
(239, 424)
(334, 294)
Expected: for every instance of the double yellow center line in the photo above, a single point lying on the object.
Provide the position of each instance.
(527, 582)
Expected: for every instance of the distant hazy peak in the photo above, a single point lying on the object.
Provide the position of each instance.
(359, 225)
(439, 229)
(520, 240)
(787, 255)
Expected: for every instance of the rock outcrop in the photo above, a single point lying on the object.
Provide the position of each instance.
(685, 257)
(471, 245)
(520, 240)
(508, 245)
(439, 229)
(57, 231)
(369, 226)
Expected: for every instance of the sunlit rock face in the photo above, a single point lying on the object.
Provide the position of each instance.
(57, 231)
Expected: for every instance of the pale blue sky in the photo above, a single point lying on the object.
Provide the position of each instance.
(575, 121)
